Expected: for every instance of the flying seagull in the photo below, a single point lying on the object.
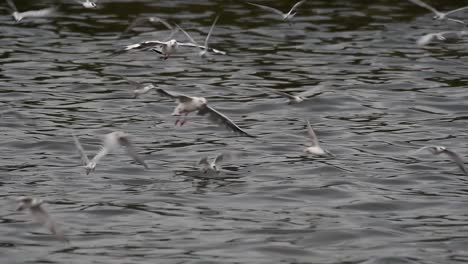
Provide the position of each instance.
(203, 49)
(166, 48)
(437, 150)
(18, 16)
(87, 3)
(140, 88)
(286, 16)
(437, 14)
(40, 215)
(314, 145)
(213, 165)
(188, 104)
(441, 36)
(111, 142)
(143, 19)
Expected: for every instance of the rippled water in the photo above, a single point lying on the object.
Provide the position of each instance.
(376, 96)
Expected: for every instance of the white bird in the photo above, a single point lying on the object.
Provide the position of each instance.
(203, 49)
(187, 104)
(286, 16)
(18, 16)
(87, 3)
(314, 145)
(441, 36)
(436, 150)
(140, 88)
(437, 14)
(213, 165)
(40, 215)
(143, 19)
(166, 48)
(111, 142)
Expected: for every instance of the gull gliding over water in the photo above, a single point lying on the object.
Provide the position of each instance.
(18, 16)
(441, 36)
(203, 49)
(314, 145)
(87, 3)
(286, 16)
(140, 88)
(437, 150)
(188, 104)
(40, 215)
(111, 142)
(437, 14)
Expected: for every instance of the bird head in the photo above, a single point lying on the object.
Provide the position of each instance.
(172, 43)
(437, 149)
(90, 167)
(27, 202)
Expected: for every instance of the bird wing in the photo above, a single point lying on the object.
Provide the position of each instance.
(211, 30)
(422, 4)
(101, 153)
(125, 141)
(145, 45)
(204, 161)
(420, 149)
(456, 20)
(189, 37)
(456, 10)
(222, 158)
(295, 6)
(39, 13)
(181, 98)
(283, 94)
(312, 136)
(457, 159)
(192, 45)
(140, 20)
(12, 5)
(426, 39)
(42, 217)
(271, 9)
(221, 119)
(83, 156)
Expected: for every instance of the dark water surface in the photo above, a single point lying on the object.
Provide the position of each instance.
(376, 96)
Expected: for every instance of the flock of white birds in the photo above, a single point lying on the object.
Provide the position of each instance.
(188, 104)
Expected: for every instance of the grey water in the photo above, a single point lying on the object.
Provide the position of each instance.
(375, 98)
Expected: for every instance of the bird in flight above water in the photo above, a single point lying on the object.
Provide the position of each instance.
(87, 3)
(140, 88)
(437, 14)
(111, 142)
(203, 49)
(40, 215)
(285, 16)
(441, 36)
(314, 145)
(188, 104)
(18, 16)
(437, 150)
(214, 164)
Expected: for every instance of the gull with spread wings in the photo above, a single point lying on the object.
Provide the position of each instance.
(213, 165)
(441, 36)
(203, 49)
(18, 16)
(286, 16)
(40, 215)
(140, 88)
(111, 142)
(188, 104)
(437, 14)
(437, 150)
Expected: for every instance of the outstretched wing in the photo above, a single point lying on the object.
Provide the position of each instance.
(192, 45)
(140, 20)
(295, 6)
(83, 156)
(457, 159)
(42, 217)
(181, 98)
(424, 5)
(12, 5)
(456, 10)
(222, 158)
(125, 141)
(40, 13)
(221, 119)
(313, 138)
(189, 37)
(291, 97)
(271, 9)
(211, 30)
